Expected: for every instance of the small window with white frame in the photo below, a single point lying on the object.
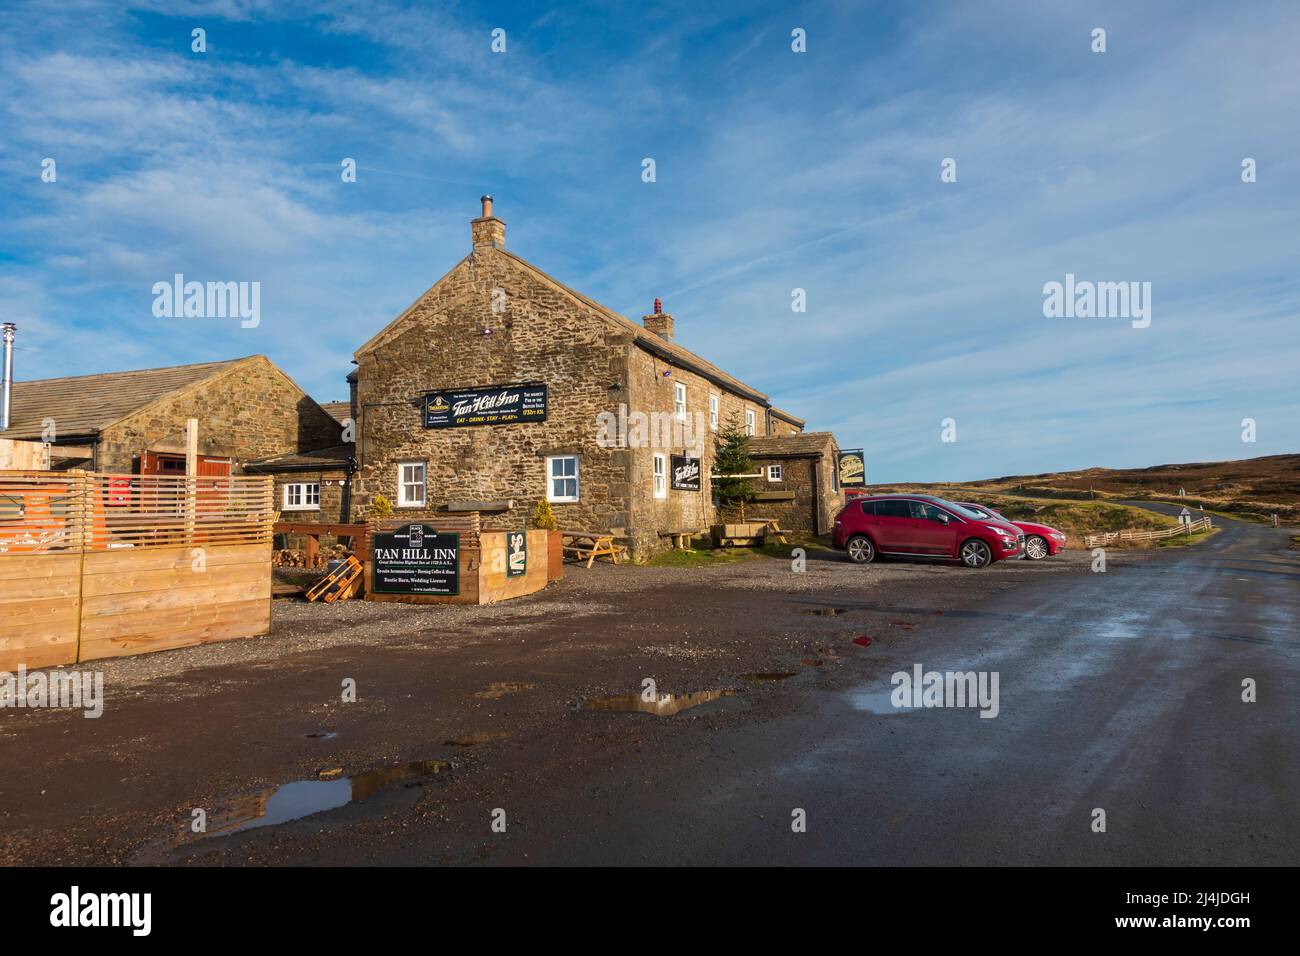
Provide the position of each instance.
(302, 496)
(749, 422)
(410, 484)
(679, 401)
(562, 478)
(775, 473)
(713, 412)
(661, 476)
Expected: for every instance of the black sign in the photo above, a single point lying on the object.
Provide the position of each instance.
(853, 469)
(516, 553)
(488, 405)
(686, 473)
(416, 559)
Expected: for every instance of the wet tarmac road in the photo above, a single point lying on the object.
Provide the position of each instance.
(1118, 691)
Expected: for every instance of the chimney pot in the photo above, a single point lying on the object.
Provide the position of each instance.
(487, 229)
(659, 322)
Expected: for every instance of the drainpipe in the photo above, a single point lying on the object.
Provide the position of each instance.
(7, 383)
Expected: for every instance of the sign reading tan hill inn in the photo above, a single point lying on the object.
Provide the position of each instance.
(485, 405)
(686, 473)
(416, 559)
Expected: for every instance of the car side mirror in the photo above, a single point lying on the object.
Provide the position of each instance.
(943, 518)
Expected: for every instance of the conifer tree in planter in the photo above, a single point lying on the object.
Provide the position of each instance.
(731, 458)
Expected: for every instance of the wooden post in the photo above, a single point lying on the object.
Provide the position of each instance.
(191, 473)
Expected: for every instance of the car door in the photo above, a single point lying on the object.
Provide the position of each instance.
(932, 530)
(891, 524)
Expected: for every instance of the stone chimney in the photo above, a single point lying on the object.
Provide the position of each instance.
(659, 322)
(488, 230)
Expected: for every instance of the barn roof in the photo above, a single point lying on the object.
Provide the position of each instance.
(803, 445)
(84, 405)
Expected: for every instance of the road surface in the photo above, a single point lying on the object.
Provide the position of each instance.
(1118, 691)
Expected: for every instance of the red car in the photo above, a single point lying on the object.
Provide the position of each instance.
(1040, 539)
(923, 526)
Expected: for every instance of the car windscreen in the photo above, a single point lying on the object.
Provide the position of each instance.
(964, 512)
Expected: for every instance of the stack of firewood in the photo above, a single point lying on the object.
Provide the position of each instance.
(297, 558)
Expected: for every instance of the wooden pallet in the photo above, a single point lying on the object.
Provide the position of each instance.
(339, 584)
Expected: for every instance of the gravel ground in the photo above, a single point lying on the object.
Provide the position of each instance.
(497, 690)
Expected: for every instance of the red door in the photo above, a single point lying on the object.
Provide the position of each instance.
(932, 530)
(891, 525)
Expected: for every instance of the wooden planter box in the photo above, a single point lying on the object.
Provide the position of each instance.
(743, 534)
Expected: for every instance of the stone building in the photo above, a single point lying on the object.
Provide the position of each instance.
(134, 422)
(798, 480)
(500, 387)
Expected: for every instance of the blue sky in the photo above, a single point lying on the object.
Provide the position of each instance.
(775, 170)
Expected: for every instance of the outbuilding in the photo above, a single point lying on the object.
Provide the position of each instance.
(134, 422)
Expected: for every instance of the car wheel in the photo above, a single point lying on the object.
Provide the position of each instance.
(1036, 548)
(976, 554)
(861, 550)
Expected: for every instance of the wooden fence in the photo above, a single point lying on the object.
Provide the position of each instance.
(1106, 537)
(100, 565)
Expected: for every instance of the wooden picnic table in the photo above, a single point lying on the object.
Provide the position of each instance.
(593, 544)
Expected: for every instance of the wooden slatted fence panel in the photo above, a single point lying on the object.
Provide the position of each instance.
(100, 565)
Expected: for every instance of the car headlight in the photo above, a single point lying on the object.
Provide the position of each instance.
(1058, 535)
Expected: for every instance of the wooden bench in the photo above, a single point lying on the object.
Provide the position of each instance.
(773, 531)
(681, 539)
(593, 544)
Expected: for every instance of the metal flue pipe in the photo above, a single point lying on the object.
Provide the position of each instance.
(7, 385)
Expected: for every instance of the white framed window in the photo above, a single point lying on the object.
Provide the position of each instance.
(410, 484)
(302, 496)
(562, 478)
(775, 473)
(749, 421)
(661, 476)
(713, 412)
(679, 400)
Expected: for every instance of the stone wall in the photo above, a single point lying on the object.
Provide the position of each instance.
(252, 410)
(797, 477)
(542, 335)
(590, 366)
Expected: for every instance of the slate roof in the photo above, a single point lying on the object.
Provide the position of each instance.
(83, 405)
(322, 459)
(338, 410)
(805, 444)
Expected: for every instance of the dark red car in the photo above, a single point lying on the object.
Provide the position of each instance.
(1040, 540)
(923, 526)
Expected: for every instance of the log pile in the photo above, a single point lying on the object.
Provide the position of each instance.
(297, 558)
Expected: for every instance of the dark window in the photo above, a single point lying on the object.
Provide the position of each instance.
(925, 511)
(868, 507)
(892, 509)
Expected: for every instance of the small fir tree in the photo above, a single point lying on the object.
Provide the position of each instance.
(731, 458)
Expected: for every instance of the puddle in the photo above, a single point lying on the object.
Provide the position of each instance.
(664, 706)
(498, 689)
(323, 735)
(827, 611)
(477, 737)
(768, 677)
(302, 798)
(875, 702)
